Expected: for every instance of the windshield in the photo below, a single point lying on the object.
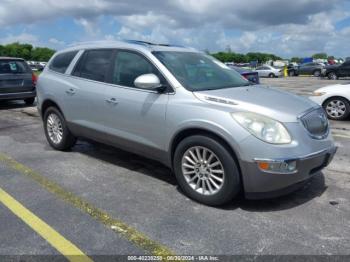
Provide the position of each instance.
(198, 72)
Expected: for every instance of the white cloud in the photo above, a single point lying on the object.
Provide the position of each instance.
(55, 41)
(298, 27)
(23, 38)
(89, 25)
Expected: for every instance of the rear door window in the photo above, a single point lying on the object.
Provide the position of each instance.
(14, 67)
(95, 65)
(61, 62)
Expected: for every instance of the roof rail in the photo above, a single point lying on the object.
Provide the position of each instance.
(93, 42)
(137, 42)
(149, 43)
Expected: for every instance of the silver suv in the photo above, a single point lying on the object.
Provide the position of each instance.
(216, 131)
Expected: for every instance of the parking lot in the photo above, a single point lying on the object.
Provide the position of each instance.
(104, 201)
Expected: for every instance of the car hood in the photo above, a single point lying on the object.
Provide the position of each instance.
(331, 66)
(337, 88)
(280, 105)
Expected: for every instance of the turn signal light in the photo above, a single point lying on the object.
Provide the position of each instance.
(278, 167)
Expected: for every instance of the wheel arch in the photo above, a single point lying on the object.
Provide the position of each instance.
(335, 96)
(331, 71)
(205, 132)
(49, 103)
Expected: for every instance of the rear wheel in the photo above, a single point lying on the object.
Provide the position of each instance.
(332, 76)
(56, 130)
(337, 108)
(317, 73)
(29, 101)
(291, 73)
(206, 171)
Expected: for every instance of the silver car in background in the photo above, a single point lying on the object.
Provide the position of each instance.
(269, 71)
(217, 132)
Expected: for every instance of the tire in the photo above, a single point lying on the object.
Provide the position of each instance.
(54, 122)
(230, 185)
(317, 73)
(337, 108)
(332, 76)
(272, 75)
(291, 73)
(29, 101)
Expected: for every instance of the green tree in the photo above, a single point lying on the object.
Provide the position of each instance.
(296, 60)
(26, 51)
(320, 56)
(245, 58)
(42, 54)
(2, 50)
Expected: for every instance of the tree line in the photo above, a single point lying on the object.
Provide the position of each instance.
(245, 58)
(261, 57)
(30, 53)
(26, 51)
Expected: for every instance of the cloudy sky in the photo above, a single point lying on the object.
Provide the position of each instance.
(284, 27)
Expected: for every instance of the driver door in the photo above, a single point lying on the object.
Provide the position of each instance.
(136, 116)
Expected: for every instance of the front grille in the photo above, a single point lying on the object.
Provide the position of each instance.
(316, 123)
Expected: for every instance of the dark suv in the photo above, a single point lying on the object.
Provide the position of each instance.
(335, 71)
(17, 80)
(314, 69)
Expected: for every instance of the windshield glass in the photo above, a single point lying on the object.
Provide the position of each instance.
(197, 72)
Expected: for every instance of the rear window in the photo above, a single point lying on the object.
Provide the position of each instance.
(13, 67)
(94, 64)
(61, 62)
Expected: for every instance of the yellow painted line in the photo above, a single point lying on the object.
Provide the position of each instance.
(118, 226)
(65, 247)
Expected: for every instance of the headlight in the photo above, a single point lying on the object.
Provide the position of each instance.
(318, 93)
(263, 127)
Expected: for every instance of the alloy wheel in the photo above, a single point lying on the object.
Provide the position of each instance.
(336, 108)
(333, 76)
(203, 170)
(54, 128)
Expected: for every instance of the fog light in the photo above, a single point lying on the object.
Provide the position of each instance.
(275, 166)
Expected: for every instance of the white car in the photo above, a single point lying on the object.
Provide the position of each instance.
(269, 71)
(335, 100)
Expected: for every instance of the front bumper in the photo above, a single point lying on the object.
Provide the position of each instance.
(21, 95)
(264, 184)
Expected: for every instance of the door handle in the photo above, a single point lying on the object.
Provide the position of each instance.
(112, 101)
(70, 91)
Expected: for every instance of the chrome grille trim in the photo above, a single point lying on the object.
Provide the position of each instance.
(310, 117)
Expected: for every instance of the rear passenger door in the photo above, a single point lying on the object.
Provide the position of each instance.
(303, 69)
(84, 98)
(136, 116)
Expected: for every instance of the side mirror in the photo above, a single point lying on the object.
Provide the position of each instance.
(148, 81)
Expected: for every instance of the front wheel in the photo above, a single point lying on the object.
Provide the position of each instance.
(272, 75)
(337, 108)
(206, 171)
(56, 130)
(332, 76)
